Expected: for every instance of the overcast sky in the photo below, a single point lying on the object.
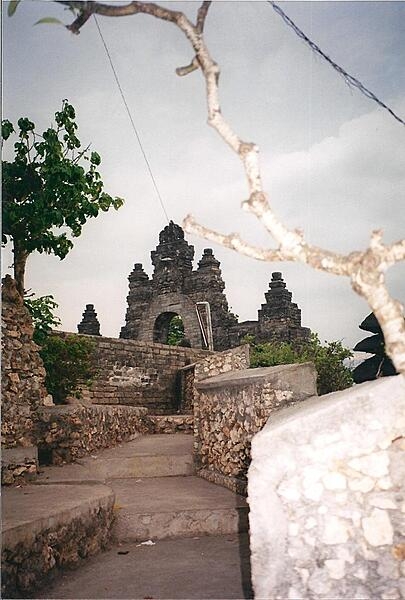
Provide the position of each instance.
(333, 162)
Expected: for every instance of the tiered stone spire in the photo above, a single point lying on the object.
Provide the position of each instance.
(172, 259)
(279, 317)
(89, 324)
(175, 289)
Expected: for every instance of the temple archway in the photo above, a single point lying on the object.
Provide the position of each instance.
(168, 328)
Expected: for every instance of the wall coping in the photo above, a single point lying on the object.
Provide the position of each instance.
(61, 409)
(138, 343)
(335, 407)
(249, 376)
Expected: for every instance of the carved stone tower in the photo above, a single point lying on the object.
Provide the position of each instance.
(175, 288)
(280, 318)
(89, 324)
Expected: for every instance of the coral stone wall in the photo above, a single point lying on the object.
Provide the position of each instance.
(234, 359)
(65, 433)
(22, 371)
(23, 389)
(135, 373)
(326, 495)
(35, 552)
(232, 407)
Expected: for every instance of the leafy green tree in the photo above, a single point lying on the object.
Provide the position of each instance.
(43, 318)
(47, 192)
(329, 359)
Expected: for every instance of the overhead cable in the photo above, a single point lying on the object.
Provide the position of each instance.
(132, 120)
(350, 80)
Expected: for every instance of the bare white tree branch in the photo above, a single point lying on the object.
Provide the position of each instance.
(365, 269)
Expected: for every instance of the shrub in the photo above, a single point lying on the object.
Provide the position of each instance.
(67, 360)
(68, 364)
(329, 359)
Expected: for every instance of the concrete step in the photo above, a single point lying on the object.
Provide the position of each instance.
(169, 507)
(47, 526)
(164, 455)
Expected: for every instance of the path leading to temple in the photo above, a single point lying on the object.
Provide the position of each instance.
(196, 545)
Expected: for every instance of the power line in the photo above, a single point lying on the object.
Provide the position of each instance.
(350, 80)
(132, 121)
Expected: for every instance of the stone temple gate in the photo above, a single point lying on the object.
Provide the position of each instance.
(175, 288)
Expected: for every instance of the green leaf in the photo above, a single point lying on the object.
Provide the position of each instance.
(6, 129)
(95, 158)
(49, 21)
(12, 7)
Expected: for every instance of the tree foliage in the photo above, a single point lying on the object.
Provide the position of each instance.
(68, 365)
(67, 360)
(176, 331)
(49, 192)
(329, 359)
(43, 317)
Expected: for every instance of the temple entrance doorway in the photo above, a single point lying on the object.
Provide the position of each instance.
(168, 329)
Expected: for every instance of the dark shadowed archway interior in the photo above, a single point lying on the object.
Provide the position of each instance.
(168, 329)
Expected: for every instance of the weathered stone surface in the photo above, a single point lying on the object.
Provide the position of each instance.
(170, 423)
(234, 405)
(175, 288)
(65, 433)
(40, 536)
(89, 325)
(326, 488)
(129, 372)
(23, 375)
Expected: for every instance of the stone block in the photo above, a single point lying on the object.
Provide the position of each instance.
(325, 497)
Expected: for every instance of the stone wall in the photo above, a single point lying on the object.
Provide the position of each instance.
(65, 433)
(232, 407)
(326, 494)
(23, 389)
(134, 373)
(234, 359)
(35, 549)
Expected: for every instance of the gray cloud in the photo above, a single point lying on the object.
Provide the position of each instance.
(332, 163)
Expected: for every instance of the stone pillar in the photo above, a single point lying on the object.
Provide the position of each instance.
(139, 297)
(207, 284)
(89, 324)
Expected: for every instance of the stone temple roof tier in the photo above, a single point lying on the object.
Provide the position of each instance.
(89, 324)
(175, 289)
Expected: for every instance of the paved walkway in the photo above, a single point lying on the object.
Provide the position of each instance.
(200, 568)
(197, 545)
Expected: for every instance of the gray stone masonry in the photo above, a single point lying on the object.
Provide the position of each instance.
(233, 406)
(175, 288)
(89, 324)
(23, 387)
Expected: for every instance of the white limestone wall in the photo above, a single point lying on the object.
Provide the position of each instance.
(326, 490)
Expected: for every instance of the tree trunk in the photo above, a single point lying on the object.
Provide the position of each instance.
(20, 261)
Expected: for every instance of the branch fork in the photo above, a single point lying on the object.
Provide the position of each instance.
(364, 269)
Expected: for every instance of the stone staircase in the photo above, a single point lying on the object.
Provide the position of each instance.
(149, 481)
(157, 494)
